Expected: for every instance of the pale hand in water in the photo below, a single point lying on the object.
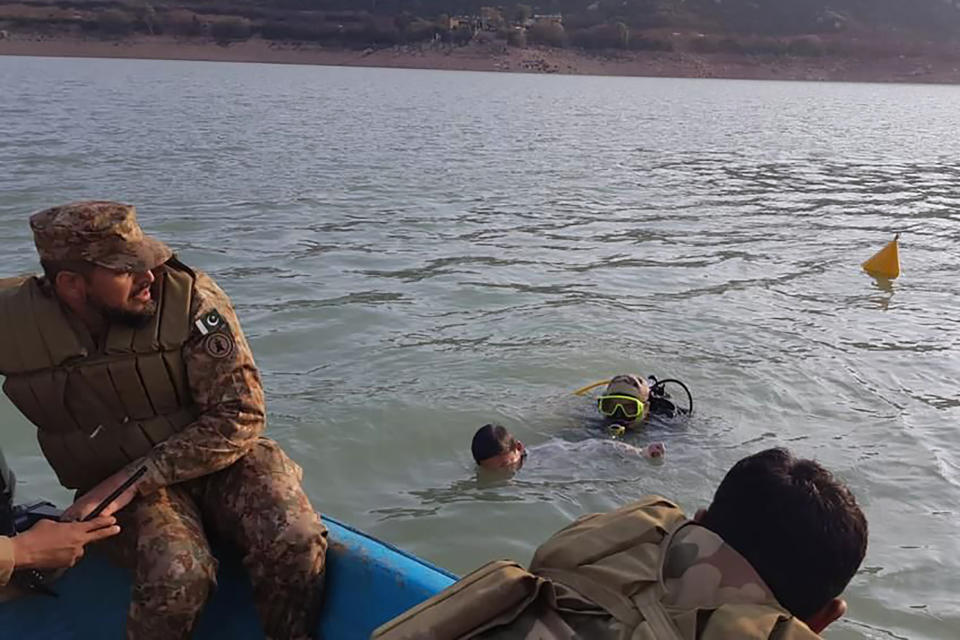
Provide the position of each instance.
(655, 450)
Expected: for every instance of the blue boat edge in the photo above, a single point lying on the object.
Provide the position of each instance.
(368, 582)
(373, 581)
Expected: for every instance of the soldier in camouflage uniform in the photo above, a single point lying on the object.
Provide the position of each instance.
(766, 561)
(139, 361)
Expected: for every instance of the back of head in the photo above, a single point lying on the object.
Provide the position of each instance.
(799, 527)
(489, 441)
(624, 385)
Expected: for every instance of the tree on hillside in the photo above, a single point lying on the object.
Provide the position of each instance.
(180, 22)
(521, 13)
(548, 33)
(813, 16)
(492, 17)
(115, 22)
(623, 35)
(148, 16)
(226, 29)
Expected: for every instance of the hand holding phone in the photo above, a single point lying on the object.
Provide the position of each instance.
(115, 494)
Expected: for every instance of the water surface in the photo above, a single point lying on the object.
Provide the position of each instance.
(415, 253)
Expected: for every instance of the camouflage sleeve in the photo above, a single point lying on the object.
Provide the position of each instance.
(6, 560)
(225, 385)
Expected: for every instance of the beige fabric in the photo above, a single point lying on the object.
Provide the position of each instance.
(97, 407)
(482, 599)
(624, 386)
(642, 572)
(6, 560)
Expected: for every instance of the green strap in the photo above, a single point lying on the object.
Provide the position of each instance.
(619, 606)
(659, 621)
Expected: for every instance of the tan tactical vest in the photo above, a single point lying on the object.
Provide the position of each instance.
(96, 411)
(600, 577)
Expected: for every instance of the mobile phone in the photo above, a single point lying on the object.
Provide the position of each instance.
(116, 494)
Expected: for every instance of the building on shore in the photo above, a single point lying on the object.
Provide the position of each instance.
(548, 18)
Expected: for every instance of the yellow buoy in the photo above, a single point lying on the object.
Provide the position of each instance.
(886, 262)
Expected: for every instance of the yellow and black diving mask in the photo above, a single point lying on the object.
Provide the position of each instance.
(626, 406)
(623, 398)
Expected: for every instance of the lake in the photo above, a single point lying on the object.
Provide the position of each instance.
(415, 253)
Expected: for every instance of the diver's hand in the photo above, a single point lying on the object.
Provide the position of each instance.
(89, 501)
(55, 545)
(655, 451)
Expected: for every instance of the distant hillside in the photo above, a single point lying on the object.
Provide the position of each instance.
(776, 27)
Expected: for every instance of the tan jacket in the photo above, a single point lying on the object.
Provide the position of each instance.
(6, 560)
(642, 572)
(97, 406)
(182, 396)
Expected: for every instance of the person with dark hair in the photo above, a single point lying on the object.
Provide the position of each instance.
(494, 447)
(767, 560)
(810, 540)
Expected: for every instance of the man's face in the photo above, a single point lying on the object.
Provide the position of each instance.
(122, 296)
(510, 460)
(640, 390)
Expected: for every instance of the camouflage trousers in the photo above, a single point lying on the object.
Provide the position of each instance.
(258, 504)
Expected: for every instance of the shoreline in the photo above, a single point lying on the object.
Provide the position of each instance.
(499, 58)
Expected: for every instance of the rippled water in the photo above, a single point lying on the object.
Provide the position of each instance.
(415, 253)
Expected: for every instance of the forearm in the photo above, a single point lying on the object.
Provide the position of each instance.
(226, 389)
(7, 560)
(215, 441)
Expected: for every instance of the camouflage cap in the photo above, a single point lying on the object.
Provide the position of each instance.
(624, 385)
(100, 232)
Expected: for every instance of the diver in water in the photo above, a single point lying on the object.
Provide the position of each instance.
(629, 400)
(625, 400)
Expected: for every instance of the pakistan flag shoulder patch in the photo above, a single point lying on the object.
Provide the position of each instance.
(211, 322)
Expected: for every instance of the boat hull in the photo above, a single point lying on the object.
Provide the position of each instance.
(368, 582)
